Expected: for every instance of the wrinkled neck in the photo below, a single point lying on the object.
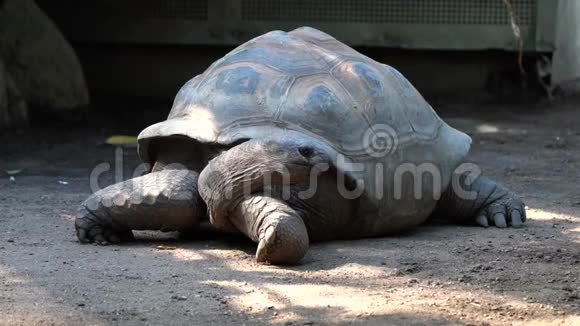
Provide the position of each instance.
(237, 174)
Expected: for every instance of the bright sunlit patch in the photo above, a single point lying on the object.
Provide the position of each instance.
(487, 129)
(68, 217)
(540, 214)
(571, 320)
(569, 224)
(11, 278)
(288, 300)
(186, 254)
(295, 301)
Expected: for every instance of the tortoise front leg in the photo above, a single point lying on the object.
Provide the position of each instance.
(278, 229)
(166, 200)
(232, 185)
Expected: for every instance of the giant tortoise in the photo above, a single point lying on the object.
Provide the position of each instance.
(295, 137)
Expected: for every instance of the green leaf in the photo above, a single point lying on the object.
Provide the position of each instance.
(121, 140)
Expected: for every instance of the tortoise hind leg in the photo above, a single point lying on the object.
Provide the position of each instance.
(481, 201)
(165, 200)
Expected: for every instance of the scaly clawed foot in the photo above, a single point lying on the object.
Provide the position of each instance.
(90, 231)
(283, 240)
(507, 210)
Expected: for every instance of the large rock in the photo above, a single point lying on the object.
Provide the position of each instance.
(13, 110)
(38, 59)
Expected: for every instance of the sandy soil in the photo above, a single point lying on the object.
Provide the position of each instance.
(435, 275)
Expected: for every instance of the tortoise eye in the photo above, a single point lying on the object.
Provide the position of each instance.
(306, 151)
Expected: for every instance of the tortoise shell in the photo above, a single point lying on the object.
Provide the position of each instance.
(307, 82)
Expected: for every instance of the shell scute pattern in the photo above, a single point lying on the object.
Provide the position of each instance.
(281, 51)
(318, 103)
(307, 80)
(235, 93)
(419, 113)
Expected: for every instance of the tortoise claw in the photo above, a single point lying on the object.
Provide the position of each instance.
(506, 211)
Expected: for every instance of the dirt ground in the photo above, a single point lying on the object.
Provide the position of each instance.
(436, 275)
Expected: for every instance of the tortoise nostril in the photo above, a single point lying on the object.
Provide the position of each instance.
(306, 151)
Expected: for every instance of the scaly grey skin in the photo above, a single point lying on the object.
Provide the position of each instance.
(165, 199)
(278, 229)
(232, 185)
(493, 204)
(284, 226)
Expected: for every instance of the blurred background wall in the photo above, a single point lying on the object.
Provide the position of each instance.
(149, 48)
(567, 54)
